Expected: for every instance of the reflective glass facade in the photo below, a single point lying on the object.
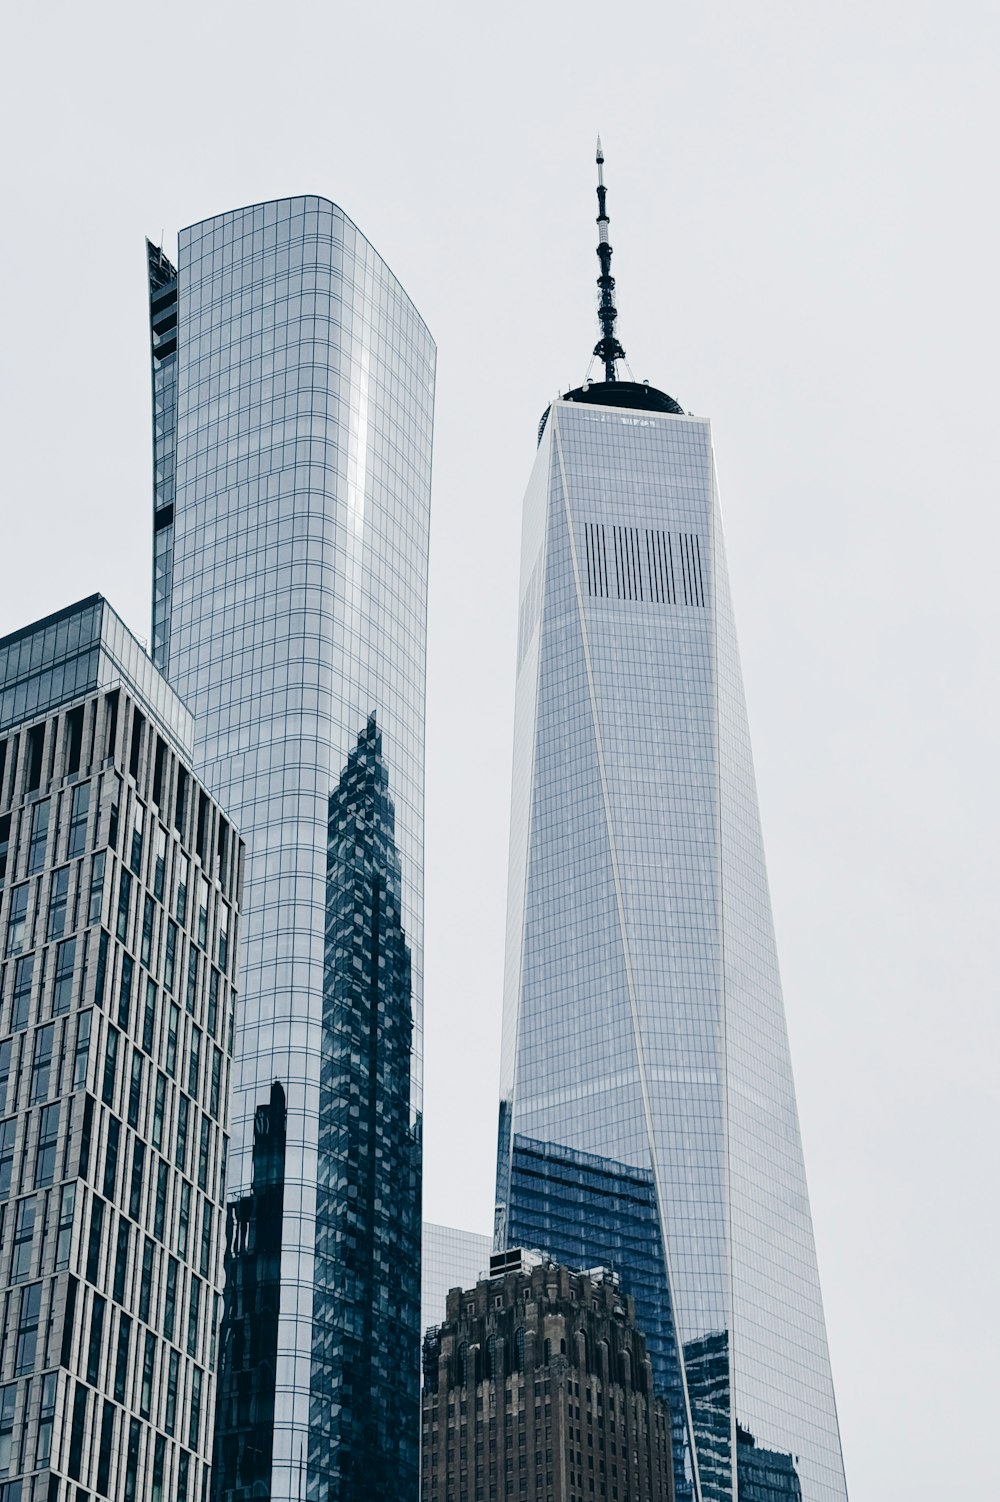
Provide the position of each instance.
(449, 1259)
(295, 614)
(645, 1057)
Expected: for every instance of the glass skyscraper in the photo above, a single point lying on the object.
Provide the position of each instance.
(293, 387)
(648, 1117)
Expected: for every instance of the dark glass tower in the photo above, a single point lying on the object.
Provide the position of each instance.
(292, 620)
(648, 1114)
(363, 1419)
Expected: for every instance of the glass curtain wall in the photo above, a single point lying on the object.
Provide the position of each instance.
(296, 611)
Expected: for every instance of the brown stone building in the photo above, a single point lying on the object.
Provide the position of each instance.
(538, 1388)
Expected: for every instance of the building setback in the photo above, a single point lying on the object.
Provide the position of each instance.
(537, 1386)
(293, 392)
(119, 907)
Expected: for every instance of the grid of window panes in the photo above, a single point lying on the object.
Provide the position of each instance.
(298, 605)
(450, 1258)
(119, 885)
(643, 1013)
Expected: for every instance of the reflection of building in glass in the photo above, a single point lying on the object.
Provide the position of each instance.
(765, 1475)
(449, 1259)
(538, 1385)
(248, 1338)
(364, 1431)
(119, 904)
(290, 606)
(644, 1024)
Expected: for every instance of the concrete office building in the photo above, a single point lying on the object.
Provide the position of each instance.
(119, 910)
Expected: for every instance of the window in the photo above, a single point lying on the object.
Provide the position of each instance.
(116, 799)
(132, 1458)
(223, 937)
(58, 897)
(184, 1219)
(64, 1235)
(183, 1461)
(135, 1189)
(94, 1242)
(96, 905)
(192, 979)
(101, 977)
(202, 912)
(205, 1261)
(138, 829)
(170, 1297)
(86, 1134)
(213, 1097)
(183, 1111)
(8, 1136)
(173, 1373)
(148, 1362)
(213, 1002)
(77, 1429)
(173, 1022)
(27, 1330)
(62, 986)
(183, 883)
(46, 1419)
(4, 846)
(39, 835)
(8, 1402)
(111, 1157)
(160, 1207)
(159, 1456)
(170, 955)
(149, 1017)
(41, 1067)
(135, 1088)
(194, 1426)
(24, 973)
(194, 1063)
(48, 1139)
(146, 1285)
(204, 1145)
(5, 1052)
(82, 1050)
(98, 1310)
(125, 990)
(194, 1312)
(124, 897)
(121, 1260)
(146, 945)
(121, 1357)
(105, 1448)
(159, 1105)
(110, 1067)
(16, 919)
(160, 864)
(79, 811)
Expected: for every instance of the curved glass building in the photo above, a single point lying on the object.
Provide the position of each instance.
(293, 390)
(648, 1120)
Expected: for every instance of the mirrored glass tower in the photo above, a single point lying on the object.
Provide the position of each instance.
(648, 1118)
(293, 385)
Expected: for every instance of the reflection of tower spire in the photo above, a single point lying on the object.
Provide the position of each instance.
(607, 347)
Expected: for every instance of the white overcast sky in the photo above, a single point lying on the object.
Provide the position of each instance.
(804, 213)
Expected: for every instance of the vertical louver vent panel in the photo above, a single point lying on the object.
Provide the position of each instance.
(644, 563)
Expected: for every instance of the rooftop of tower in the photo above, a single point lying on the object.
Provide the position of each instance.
(611, 392)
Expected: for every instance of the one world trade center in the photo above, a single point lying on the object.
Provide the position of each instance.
(648, 1120)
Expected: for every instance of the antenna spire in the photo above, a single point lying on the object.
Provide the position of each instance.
(607, 348)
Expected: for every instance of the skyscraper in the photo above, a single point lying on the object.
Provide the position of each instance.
(293, 399)
(119, 908)
(648, 1118)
